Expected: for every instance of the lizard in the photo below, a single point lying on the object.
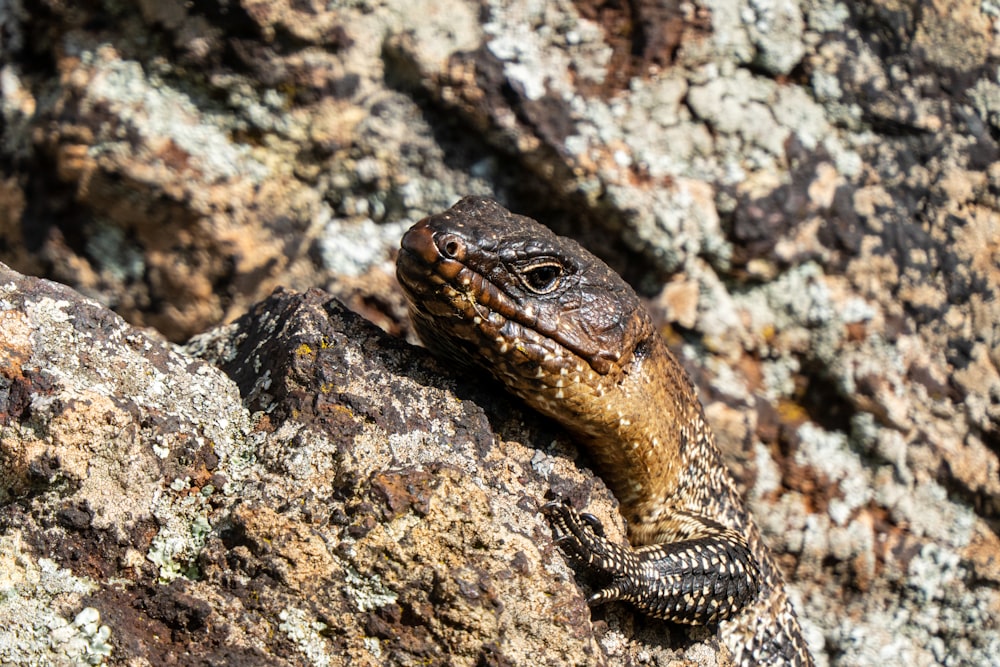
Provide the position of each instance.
(562, 331)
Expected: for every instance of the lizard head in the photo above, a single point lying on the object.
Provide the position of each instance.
(490, 287)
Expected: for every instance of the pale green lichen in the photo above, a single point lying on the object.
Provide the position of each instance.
(85, 641)
(183, 531)
(306, 634)
(151, 110)
(110, 248)
(32, 594)
(373, 646)
(830, 451)
(368, 593)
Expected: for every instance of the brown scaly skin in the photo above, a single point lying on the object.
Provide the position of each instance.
(566, 334)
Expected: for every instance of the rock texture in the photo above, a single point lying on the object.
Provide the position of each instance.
(324, 495)
(806, 191)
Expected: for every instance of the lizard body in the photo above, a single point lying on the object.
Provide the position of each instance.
(565, 333)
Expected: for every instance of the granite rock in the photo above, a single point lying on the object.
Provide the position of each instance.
(806, 191)
(294, 488)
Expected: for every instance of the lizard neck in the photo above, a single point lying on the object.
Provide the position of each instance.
(633, 422)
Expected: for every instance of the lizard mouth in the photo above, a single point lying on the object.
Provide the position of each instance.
(437, 281)
(433, 271)
(429, 268)
(454, 306)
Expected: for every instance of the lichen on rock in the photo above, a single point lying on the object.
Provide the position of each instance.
(807, 191)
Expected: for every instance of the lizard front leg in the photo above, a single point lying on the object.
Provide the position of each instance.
(699, 580)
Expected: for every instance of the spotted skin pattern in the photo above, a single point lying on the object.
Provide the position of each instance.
(566, 334)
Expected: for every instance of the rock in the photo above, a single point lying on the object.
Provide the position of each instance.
(321, 494)
(806, 190)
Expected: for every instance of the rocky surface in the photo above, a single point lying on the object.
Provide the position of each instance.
(806, 191)
(322, 494)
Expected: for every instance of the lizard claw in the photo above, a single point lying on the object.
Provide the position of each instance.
(554, 505)
(594, 522)
(581, 536)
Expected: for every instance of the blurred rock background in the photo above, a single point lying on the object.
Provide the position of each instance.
(807, 192)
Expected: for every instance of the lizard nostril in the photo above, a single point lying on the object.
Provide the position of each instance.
(451, 246)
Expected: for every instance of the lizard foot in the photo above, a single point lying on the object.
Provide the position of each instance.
(581, 536)
(700, 580)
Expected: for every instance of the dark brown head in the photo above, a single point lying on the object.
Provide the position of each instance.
(497, 289)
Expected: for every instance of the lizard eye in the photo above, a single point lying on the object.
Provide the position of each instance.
(543, 277)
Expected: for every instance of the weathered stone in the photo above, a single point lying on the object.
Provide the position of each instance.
(355, 506)
(810, 187)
